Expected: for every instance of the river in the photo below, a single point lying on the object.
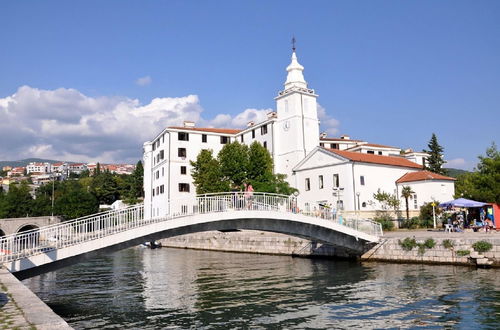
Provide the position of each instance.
(181, 289)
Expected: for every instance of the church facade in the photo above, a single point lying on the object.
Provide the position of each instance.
(341, 172)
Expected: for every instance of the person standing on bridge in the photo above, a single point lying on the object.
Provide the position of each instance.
(248, 195)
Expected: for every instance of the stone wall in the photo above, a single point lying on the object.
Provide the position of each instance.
(251, 241)
(390, 249)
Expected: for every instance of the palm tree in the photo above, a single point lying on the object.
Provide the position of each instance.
(406, 193)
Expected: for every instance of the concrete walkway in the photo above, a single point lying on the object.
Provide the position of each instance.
(435, 233)
(22, 309)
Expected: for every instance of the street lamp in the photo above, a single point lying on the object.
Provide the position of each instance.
(359, 209)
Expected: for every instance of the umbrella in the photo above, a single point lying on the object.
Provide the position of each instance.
(462, 202)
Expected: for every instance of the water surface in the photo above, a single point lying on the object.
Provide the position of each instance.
(182, 289)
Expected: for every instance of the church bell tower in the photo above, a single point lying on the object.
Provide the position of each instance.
(297, 130)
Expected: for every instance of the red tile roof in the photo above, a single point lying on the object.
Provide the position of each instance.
(422, 176)
(340, 140)
(209, 129)
(375, 159)
(372, 145)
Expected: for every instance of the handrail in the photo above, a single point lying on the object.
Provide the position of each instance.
(38, 241)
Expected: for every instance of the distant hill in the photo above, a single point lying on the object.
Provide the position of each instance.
(455, 172)
(24, 162)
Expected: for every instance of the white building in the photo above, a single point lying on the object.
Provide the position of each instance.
(35, 167)
(313, 164)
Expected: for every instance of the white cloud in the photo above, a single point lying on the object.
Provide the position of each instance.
(143, 81)
(65, 124)
(328, 124)
(460, 163)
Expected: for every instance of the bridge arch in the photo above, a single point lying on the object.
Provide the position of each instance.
(2, 233)
(27, 227)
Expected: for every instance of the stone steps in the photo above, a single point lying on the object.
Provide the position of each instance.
(480, 259)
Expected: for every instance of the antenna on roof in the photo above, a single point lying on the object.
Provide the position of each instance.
(293, 43)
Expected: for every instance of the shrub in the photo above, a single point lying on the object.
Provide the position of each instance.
(385, 221)
(426, 222)
(482, 246)
(448, 244)
(411, 223)
(463, 253)
(429, 243)
(408, 243)
(426, 219)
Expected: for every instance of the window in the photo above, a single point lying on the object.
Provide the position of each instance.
(184, 209)
(340, 204)
(158, 174)
(162, 155)
(380, 152)
(157, 190)
(320, 179)
(224, 139)
(415, 203)
(362, 180)
(183, 170)
(183, 136)
(334, 146)
(253, 134)
(181, 152)
(184, 187)
(335, 180)
(153, 192)
(265, 144)
(204, 138)
(162, 171)
(308, 184)
(321, 144)
(162, 189)
(263, 130)
(370, 152)
(163, 138)
(363, 204)
(242, 139)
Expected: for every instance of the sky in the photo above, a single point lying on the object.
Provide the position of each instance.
(93, 80)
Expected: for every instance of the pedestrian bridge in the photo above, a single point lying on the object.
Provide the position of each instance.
(44, 249)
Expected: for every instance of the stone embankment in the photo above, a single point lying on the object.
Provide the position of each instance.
(22, 309)
(251, 241)
(437, 248)
(447, 248)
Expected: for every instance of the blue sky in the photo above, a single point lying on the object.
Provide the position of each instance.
(389, 72)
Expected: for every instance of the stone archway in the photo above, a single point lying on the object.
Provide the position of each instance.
(27, 228)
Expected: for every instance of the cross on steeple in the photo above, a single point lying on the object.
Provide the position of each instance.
(293, 43)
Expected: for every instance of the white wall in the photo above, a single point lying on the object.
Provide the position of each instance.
(428, 191)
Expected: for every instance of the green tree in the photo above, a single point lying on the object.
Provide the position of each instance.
(17, 202)
(207, 174)
(435, 160)
(233, 160)
(483, 184)
(75, 202)
(136, 184)
(260, 163)
(104, 187)
(406, 193)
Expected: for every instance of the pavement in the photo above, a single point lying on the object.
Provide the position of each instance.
(11, 316)
(440, 233)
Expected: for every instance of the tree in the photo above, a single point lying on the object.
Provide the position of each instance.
(435, 160)
(17, 202)
(75, 202)
(137, 186)
(233, 160)
(406, 193)
(104, 187)
(260, 163)
(207, 174)
(483, 184)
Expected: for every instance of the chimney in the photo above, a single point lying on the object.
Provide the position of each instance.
(250, 124)
(322, 135)
(272, 114)
(345, 137)
(188, 123)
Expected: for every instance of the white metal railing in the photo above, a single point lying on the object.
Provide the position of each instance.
(37, 241)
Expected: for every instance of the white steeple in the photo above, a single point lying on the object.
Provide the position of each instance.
(295, 77)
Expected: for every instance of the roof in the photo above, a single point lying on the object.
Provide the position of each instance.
(209, 129)
(339, 140)
(372, 145)
(422, 176)
(375, 159)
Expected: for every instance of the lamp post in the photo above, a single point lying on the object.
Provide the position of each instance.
(359, 209)
(52, 175)
(337, 191)
(434, 213)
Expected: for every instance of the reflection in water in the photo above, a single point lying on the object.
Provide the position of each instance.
(151, 289)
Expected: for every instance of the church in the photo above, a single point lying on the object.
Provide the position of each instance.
(341, 172)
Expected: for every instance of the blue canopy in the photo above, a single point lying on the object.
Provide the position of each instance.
(462, 202)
